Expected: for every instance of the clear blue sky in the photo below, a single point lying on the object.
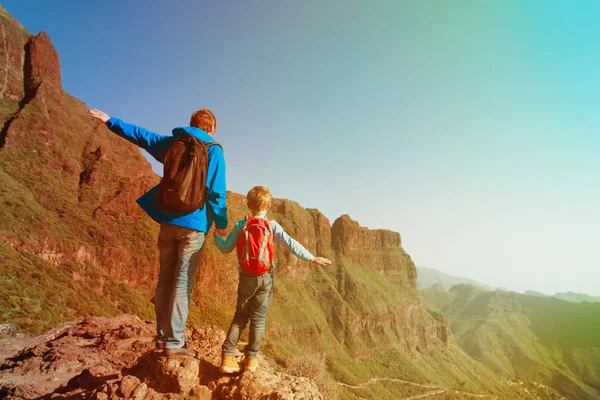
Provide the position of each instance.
(470, 127)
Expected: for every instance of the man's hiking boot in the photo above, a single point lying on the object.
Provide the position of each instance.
(160, 345)
(229, 365)
(180, 351)
(250, 364)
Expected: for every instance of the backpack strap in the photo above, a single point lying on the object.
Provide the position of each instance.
(246, 255)
(208, 144)
(263, 245)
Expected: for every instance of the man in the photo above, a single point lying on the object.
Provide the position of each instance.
(181, 236)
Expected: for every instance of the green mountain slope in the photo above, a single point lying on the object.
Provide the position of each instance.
(532, 338)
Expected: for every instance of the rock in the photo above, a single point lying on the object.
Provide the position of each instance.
(201, 392)
(114, 358)
(139, 393)
(8, 330)
(348, 235)
(178, 374)
(41, 63)
(127, 385)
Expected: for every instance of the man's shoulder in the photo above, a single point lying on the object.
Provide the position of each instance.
(215, 149)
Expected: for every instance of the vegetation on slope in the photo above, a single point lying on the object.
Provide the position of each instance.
(532, 338)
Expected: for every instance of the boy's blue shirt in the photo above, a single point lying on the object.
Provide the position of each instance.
(156, 145)
(279, 235)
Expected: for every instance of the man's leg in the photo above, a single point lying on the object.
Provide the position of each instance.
(246, 290)
(258, 314)
(188, 260)
(168, 248)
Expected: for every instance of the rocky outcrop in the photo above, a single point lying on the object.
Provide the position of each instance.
(115, 358)
(12, 57)
(322, 232)
(379, 249)
(348, 235)
(41, 65)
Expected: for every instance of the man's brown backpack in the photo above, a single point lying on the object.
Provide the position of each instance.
(183, 186)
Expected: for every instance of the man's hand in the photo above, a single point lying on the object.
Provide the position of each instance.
(102, 116)
(320, 261)
(219, 232)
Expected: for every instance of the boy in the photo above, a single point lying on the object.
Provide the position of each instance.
(255, 254)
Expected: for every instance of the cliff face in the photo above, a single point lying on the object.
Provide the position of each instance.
(69, 184)
(379, 249)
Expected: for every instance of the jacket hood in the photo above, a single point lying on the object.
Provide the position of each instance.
(190, 130)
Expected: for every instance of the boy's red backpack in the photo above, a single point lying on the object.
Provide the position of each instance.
(183, 186)
(255, 246)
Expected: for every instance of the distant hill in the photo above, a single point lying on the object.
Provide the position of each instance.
(534, 293)
(541, 339)
(428, 277)
(577, 297)
(568, 296)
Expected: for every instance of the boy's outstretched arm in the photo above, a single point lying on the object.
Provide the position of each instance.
(320, 261)
(294, 247)
(227, 245)
(153, 143)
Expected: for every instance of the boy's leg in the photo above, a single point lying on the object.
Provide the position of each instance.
(246, 288)
(168, 250)
(190, 247)
(258, 314)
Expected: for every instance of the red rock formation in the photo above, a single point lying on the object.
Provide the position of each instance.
(102, 358)
(348, 236)
(379, 249)
(41, 64)
(12, 39)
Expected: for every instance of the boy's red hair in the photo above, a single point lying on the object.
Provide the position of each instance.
(259, 198)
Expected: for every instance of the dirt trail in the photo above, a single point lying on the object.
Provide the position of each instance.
(438, 389)
(422, 395)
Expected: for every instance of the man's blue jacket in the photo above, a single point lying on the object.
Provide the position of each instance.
(157, 145)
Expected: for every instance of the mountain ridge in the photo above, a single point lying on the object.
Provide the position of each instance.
(428, 277)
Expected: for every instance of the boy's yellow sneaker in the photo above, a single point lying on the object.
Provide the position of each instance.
(229, 365)
(250, 364)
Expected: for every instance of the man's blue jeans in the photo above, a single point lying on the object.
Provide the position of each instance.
(254, 295)
(180, 249)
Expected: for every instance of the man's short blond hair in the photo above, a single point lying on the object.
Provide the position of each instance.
(259, 198)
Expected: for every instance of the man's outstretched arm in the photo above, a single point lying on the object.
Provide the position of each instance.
(153, 143)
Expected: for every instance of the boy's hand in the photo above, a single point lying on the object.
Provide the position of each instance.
(219, 232)
(320, 261)
(102, 116)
